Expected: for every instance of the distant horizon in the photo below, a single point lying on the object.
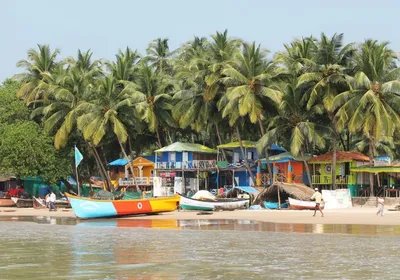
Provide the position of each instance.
(105, 27)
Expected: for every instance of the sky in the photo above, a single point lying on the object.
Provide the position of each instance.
(107, 26)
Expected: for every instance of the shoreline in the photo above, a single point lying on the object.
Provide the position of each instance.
(353, 216)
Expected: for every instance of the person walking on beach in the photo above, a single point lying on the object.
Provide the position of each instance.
(381, 206)
(318, 199)
(52, 201)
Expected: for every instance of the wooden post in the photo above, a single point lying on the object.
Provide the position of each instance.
(258, 178)
(279, 196)
(290, 172)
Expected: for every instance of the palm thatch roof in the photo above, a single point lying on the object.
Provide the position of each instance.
(286, 190)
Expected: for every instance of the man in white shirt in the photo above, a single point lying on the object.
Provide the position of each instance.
(318, 199)
(52, 200)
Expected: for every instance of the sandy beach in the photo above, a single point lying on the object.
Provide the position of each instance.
(355, 215)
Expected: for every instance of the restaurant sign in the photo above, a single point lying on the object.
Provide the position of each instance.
(382, 160)
(167, 174)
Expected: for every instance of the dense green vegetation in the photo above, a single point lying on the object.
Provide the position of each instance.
(314, 96)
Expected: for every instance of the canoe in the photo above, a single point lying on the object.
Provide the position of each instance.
(23, 202)
(88, 208)
(6, 202)
(274, 205)
(303, 205)
(187, 203)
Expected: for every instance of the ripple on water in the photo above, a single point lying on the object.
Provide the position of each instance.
(210, 251)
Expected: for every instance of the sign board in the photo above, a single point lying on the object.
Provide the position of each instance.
(337, 199)
(167, 174)
(382, 160)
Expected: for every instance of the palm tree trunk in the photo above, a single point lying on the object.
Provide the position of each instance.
(220, 141)
(107, 180)
(307, 168)
(130, 165)
(243, 155)
(158, 138)
(334, 162)
(371, 156)
(266, 150)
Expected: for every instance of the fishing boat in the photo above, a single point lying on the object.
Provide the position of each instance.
(213, 204)
(87, 208)
(6, 202)
(303, 205)
(274, 205)
(23, 202)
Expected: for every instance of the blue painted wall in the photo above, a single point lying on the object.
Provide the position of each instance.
(237, 150)
(165, 156)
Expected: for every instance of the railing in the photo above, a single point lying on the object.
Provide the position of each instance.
(139, 180)
(327, 180)
(194, 164)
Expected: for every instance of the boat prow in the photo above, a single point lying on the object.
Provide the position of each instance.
(303, 205)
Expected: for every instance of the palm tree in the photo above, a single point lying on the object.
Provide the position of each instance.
(158, 54)
(296, 123)
(67, 88)
(103, 115)
(250, 88)
(38, 64)
(154, 92)
(123, 69)
(371, 105)
(328, 77)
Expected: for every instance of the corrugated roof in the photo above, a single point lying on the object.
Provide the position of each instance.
(376, 169)
(285, 157)
(118, 162)
(248, 144)
(187, 147)
(341, 156)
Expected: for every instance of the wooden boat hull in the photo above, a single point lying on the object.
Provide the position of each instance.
(6, 202)
(87, 208)
(303, 205)
(274, 205)
(37, 204)
(187, 203)
(23, 202)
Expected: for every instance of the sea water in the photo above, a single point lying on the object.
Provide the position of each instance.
(62, 248)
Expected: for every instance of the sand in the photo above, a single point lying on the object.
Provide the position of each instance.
(356, 215)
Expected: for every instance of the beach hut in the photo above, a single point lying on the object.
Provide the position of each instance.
(184, 167)
(280, 192)
(238, 175)
(345, 178)
(143, 168)
(288, 168)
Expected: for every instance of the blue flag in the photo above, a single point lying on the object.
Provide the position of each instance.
(78, 157)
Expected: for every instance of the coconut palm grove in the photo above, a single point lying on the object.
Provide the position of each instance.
(315, 95)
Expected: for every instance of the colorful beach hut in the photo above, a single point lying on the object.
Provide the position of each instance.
(185, 165)
(288, 168)
(345, 176)
(235, 162)
(143, 168)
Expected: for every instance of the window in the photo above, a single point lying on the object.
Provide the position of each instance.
(172, 156)
(235, 157)
(185, 156)
(250, 155)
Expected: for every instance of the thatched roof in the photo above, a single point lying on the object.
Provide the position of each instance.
(293, 190)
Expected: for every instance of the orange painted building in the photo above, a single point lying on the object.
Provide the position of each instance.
(285, 165)
(142, 167)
